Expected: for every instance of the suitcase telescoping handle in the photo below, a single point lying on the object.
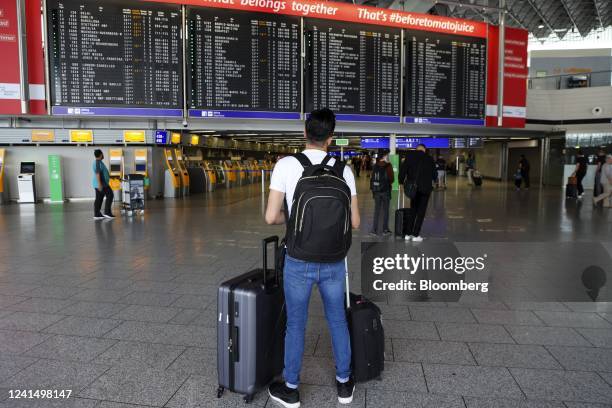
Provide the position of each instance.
(265, 243)
(346, 278)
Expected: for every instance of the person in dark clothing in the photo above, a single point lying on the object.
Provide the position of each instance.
(581, 171)
(100, 182)
(524, 166)
(357, 165)
(441, 172)
(380, 184)
(418, 168)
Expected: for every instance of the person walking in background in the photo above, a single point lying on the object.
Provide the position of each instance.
(606, 183)
(418, 170)
(524, 167)
(470, 165)
(441, 171)
(357, 165)
(600, 161)
(380, 184)
(518, 178)
(580, 171)
(100, 182)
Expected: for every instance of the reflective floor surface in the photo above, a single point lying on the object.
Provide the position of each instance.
(123, 311)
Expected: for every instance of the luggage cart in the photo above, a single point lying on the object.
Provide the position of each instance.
(133, 195)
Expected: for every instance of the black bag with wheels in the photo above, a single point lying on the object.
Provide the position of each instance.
(251, 328)
(367, 338)
(571, 191)
(319, 228)
(400, 215)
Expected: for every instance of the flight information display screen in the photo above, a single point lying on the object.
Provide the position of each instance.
(353, 69)
(115, 58)
(445, 78)
(467, 142)
(243, 64)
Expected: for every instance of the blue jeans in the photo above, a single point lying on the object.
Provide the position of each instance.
(299, 276)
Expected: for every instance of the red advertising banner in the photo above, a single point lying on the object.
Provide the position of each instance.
(9, 50)
(36, 57)
(515, 77)
(348, 12)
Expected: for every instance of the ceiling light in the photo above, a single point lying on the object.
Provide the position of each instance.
(541, 26)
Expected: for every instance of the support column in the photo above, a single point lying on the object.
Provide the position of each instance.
(394, 160)
(24, 84)
(501, 58)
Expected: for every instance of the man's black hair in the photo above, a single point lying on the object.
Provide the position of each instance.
(98, 153)
(320, 125)
(422, 145)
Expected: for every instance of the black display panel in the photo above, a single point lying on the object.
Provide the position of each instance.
(125, 54)
(243, 61)
(353, 69)
(466, 142)
(445, 78)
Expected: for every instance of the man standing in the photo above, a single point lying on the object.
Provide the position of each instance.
(299, 275)
(380, 184)
(100, 181)
(357, 165)
(524, 166)
(417, 169)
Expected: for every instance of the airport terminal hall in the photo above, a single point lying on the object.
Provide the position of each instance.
(306, 203)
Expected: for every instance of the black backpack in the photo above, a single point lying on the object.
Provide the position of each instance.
(319, 229)
(379, 182)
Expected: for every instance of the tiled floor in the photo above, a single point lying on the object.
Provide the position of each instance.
(123, 312)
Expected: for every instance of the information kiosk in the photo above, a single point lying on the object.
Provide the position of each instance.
(140, 162)
(172, 181)
(180, 164)
(2, 190)
(26, 182)
(116, 171)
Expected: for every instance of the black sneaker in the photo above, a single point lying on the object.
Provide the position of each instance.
(345, 391)
(287, 397)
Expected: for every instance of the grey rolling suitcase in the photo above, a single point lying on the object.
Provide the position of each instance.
(251, 329)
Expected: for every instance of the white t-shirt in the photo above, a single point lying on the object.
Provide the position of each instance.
(288, 171)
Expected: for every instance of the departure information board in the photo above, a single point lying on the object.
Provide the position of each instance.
(445, 78)
(466, 142)
(354, 70)
(243, 64)
(115, 58)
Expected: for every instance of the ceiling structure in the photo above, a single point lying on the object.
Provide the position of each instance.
(540, 17)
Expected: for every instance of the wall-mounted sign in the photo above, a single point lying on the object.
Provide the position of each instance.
(176, 138)
(134, 136)
(56, 188)
(342, 142)
(43, 136)
(195, 140)
(161, 136)
(81, 136)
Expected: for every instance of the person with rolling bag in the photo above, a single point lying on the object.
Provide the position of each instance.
(315, 195)
(251, 328)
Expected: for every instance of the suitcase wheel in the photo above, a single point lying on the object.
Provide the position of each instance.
(220, 391)
(248, 399)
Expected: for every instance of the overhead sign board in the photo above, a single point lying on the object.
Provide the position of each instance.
(42, 136)
(81, 136)
(134, 136)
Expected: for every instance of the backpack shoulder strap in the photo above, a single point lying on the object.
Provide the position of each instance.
(326, 160)
(303, 159)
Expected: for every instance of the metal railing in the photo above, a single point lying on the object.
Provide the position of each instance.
(571, 81)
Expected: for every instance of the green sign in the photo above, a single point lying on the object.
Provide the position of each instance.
(342, 142)
(56, 187)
